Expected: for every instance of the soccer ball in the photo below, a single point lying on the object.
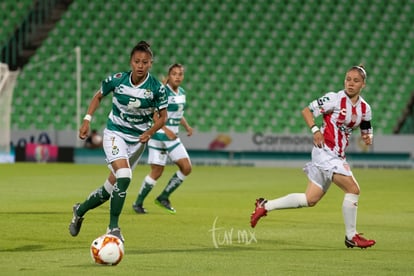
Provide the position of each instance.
(97, 139)
(107, 249)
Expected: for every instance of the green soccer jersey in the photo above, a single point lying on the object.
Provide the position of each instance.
(176, 105)
(133, 106)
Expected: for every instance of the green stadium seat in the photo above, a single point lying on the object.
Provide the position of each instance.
(12, 14)
(249, 56)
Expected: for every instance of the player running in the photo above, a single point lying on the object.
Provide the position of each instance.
(136, 97)
(166, 144)
(342, 113)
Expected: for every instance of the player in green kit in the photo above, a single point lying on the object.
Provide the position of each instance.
(136, 96)
(166, 144)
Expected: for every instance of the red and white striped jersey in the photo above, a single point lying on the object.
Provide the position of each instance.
(340, 118)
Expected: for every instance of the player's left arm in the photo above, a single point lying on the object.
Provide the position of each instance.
(367, 132)
(161, 101)
(159, 123)
(170, 134)
(187, 127)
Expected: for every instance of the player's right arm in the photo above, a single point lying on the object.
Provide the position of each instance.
(318, 139)
(187, 127)
(93, 105)
(316, 108)
(107, 86)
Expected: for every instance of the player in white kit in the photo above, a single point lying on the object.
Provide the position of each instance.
(342, 112)
(166, 144)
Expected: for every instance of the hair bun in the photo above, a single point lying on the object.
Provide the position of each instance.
(143, 43)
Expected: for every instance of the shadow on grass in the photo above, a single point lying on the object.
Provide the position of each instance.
(272, 245)
(188, 250)
(32, 213)
(25, 248)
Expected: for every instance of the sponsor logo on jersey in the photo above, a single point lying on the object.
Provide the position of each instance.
(322, 100)
(133, 104)
(118, 75)
(129, 119)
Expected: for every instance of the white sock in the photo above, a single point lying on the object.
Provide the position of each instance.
(150, 181)
(180, 175)
(108, 186)
(349, 211)
(287, 202)
(147, 180)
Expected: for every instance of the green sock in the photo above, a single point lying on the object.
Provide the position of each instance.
(146, 188)
(172, 185)
(96, 198)
(117, 200)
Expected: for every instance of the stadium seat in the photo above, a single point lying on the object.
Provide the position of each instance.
(250, 56)
(12, 14)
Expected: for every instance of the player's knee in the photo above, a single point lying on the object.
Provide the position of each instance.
(156, 171)
(186, 170)
(111, 178)
(352, 189)
(185, 167)
(312, 201)
(355, 191)
(124, 173)
(155, 175)
(123, 178)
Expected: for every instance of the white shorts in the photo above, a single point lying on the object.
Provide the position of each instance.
(159, 151)
(116, 148)
(324, 164)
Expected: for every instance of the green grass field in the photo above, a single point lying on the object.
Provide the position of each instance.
(210, 234)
